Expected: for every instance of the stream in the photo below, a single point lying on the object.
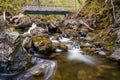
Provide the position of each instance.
(69, 65)
(72, 65)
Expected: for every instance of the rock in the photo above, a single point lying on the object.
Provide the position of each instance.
(27, 42)
(23, 21)
(2, 22)
(38, 31)
(89, 49)
(39, 21)
(51, 28)
(118, 36)
(88, 38)
(102, 53)
(87, 45)
(43, 45)
(13, 34)
(11, 52)
(60, 46)
(115, 55)
(71, 32)
(39, 72)
(98, 45)
(74, 24)
(83, 31)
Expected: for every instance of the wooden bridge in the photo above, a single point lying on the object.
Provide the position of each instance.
(46, 9)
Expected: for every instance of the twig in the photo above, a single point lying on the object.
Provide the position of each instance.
(82, 22)
(113, 10)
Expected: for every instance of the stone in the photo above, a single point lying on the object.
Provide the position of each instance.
(2, 22)
(37, 31)
(87, 45)
(42, 44)
(60, 46)
(71, 32)
(115, 55)
(23, 21)
(88, 38)
(11, 52)
(102, 53)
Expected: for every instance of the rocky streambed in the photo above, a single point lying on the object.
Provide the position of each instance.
(60, 50)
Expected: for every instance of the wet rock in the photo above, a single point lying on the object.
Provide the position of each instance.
(115, 55)
(27, 42)
(41, 45)
(102, 53)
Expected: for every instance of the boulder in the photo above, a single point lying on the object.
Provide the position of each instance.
(38, 31)
(43, 45)
(11, 52)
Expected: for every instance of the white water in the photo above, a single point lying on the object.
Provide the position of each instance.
(32, 27)
(4, 16)
(58, 50)
(48, 66)
(28, 32)
(52, 38)
(75, 53)
(65, 40)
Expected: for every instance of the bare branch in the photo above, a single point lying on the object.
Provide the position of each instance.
(82, 22)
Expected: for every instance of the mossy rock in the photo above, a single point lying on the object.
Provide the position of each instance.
(60, 46)
(42, 44)
(71, 32)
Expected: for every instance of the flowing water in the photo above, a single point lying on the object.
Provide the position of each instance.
(48, 66)
(73, 65)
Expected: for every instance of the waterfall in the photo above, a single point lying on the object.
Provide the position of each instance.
(4, 16)
(32, 27)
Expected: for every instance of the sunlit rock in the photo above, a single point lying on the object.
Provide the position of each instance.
(42, 44)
